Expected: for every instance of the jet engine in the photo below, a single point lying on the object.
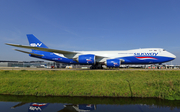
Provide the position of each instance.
(86, 59)
(113, 63)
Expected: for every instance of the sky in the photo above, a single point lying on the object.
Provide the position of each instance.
(90, 25)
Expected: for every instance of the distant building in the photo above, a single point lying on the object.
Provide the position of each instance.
(39, 64)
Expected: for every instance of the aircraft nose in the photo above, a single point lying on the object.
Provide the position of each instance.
(173, 56)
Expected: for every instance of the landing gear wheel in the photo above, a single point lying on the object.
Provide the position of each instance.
(96, 67)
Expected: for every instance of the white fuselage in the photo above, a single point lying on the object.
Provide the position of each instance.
(135, 52)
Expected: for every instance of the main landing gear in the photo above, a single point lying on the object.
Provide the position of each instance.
(96, 66)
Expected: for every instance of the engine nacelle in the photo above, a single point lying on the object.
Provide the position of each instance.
(86, 59)
(113, 63)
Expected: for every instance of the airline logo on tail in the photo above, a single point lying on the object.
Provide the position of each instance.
(36, 44)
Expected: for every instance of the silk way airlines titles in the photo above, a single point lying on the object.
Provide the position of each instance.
(145, 54)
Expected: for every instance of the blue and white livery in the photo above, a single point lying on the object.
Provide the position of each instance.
(96, 58)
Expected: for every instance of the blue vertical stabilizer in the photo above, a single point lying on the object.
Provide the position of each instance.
(33, 41)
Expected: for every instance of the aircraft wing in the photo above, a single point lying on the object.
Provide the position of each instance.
(43, 49)
(68, 54)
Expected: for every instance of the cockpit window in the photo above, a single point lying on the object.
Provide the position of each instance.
(164, 50)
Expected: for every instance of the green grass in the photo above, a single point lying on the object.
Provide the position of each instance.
(159, 84)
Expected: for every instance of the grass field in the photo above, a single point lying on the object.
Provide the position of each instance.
(159, 84)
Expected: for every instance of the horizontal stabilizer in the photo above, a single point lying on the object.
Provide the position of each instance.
(29, 53)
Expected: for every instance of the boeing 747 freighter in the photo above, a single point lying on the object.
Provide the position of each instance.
(96, 58)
